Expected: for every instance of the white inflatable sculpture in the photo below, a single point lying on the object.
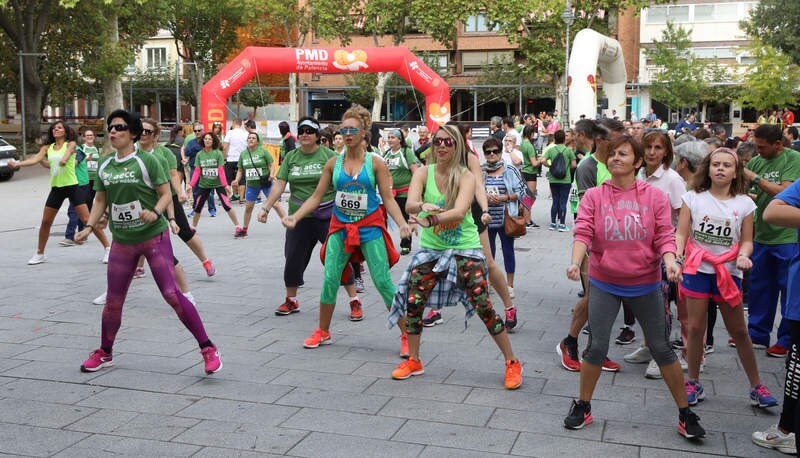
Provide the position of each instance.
(589, 51)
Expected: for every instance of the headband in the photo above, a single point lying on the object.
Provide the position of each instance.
(722, 149)
(396, 133)
(309, 123)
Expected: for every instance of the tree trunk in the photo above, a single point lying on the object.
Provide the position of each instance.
(112, 85)
(34, 94)
(380, 88)
(293, 106)
(196, 76)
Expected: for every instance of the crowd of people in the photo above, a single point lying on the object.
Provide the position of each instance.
(691, 217)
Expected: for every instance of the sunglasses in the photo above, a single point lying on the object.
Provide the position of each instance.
(349, 130)
(306, 131)
(118, 127)
(324, 140)
(147, 132)
(448, 142)
(197, 131)
(491, 151)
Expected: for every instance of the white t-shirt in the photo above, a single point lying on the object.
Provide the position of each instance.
(507, 158)
(237, 142)
(717, 225)
(671, 183)
(517, 136)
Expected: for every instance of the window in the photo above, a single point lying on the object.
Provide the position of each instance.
(478, 24)
(439, 62)
(156, 58)
(716, 12)
(710, 53)
(664, 14)
(475, 60)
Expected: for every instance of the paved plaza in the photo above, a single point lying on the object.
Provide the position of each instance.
(273, 397)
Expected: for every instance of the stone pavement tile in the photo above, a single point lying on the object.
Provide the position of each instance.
(54, 354)
(216, 452)
(157, 348)
(72, 316)
(235, 390)
(60, 372)
(164, 337)
(340, 446)
(741, 424)
(712, 405)
(571, 388)
(85, 343)
(443, 452)
(419, 388)
(154, 363)
(457, 436)
(742, 445)
(230, 342)
(33, 441)
(76, 329)
(493, 365)
(132, 424)
(242, 372)
(661, 436)
(545, 423)
(384, 371)
(238, 411)
(8, 364)
(334, 400)
(446, 412)
(248, 357)
(249, 437)
(295, 347)
(44, 414)
(530, 382)
(646, 452)
(338, 422)
(103, 445)
(146, 381)
(534, 444)
(301, 362)
(324, 381)
(632, 375)
(139, 401)
(10, 350)
(46, 391)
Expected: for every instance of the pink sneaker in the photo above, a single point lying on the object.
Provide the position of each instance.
(139, 272)
(210, 270)
(211, 358)
(98, 359)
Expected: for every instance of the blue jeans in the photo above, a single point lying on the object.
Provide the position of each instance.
(507, 245)
(558, 209)
(74, 224)
(196, 192)
(768, 280)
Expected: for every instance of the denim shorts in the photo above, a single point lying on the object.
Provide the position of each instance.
(251, 193)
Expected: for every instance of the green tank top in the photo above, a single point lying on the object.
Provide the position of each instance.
(60, 176)
(461, 235)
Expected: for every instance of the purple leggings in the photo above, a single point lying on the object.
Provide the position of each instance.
(121, 266)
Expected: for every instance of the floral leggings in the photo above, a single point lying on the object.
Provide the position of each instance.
(471, 278)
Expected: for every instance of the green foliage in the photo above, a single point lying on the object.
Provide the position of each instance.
(253, 96)
(776, 22)
(772, 80)
(143, 85)
(503, 72)
(679, 80)
(723, 84)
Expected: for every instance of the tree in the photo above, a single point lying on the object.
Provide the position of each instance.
(512, 77)
(776, 22)
(253, 96)
(772, 80)
(679, 80)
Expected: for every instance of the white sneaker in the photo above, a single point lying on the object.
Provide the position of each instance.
(105, 255)
(100, 300)
(639, 356)
(37, 259)
(685, 364)
(67, 242)
(652, 371)
(773, 438)
(511, 292)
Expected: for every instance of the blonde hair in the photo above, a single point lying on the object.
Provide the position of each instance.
(361, 114)
(456, 167)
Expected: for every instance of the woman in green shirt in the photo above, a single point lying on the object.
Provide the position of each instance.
(209, 176)
(402, 163)
(255, 164)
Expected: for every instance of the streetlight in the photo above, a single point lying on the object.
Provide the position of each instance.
(22, 98)
(568, 17)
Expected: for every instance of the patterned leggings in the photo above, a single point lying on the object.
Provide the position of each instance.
(471, 279)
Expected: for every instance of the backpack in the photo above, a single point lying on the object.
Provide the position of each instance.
(558, 168)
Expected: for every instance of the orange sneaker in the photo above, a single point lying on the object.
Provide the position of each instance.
(408, 368)
(513, 377)
(288, 307)
(319, 337)
(404, 345)
(356, 314)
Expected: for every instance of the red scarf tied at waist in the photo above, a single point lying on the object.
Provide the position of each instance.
(352, 239)
(397, 191)
(727, 287)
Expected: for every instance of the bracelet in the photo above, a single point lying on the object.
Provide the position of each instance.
(433, 220)
(679, 261)
(89, 226)
(485, 212)
(172, 219)
(158, 213)
(742, 255)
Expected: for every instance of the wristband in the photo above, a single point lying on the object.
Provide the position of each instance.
(172, 219)
(679, 261)
(756, 179)
(158, 213)
(89, 226)
(433, 220)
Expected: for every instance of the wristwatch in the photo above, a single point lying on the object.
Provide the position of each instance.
(756, 180)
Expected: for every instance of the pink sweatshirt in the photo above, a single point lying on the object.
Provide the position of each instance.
(627, 232)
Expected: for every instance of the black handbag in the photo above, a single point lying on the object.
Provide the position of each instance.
(265, 181)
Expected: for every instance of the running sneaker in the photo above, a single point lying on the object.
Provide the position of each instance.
(408, 368)
(562, 228)
(777, 351)
(139, 273)
(359, 285)
(404, 353)
(190, 213)
(106, 254)
(775, 439)
(569, 357)
(586, 330)
(210, 269)
(694, 392)
(37, 259)
(98, 359)
(100, 300)
(511, 292)
(532, 224)
(67, 242)
(678, 344)
(552, 227)
(581, 293)
(760, 396)
(513, 378)
(432, 319)
(356, 314)
(626, 336)
(239, 233)
(708, 349)
(511, 318)
(288, 307)
(652, 371)
(610, 366)
(731, 343)
(689, 425)
(404, 251)
(580, 415)
(211, 359)
(319, 337)
(639, 356)
(212, 213)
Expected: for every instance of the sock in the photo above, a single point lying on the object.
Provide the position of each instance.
(292, 298)
(107, 350)
(354, 298)
(571, 341)
(205, 344)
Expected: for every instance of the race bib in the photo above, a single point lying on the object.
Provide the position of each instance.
(393, 163)
(351, 204)
(210, 173)
(126, 216)
(492, 189)
(714, 231)
(252, 174)
(91, 165)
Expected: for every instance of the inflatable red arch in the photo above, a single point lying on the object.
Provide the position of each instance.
(254, 60)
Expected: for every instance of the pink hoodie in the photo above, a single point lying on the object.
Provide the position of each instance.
(627, 232)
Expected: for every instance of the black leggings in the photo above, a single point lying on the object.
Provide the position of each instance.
(299, 247)
(186, 232)
(790, 416)
(202, 195)
(401, 201)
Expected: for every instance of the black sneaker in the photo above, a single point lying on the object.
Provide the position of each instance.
(689, 425)
(677, 344)
(432, 319)
(626, 336)
(580, 415)
(532, 224)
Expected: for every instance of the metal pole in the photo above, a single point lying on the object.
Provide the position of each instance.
(177, 91)
(519, 81)
(474, 105)
(22, 97)
(566, 83)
